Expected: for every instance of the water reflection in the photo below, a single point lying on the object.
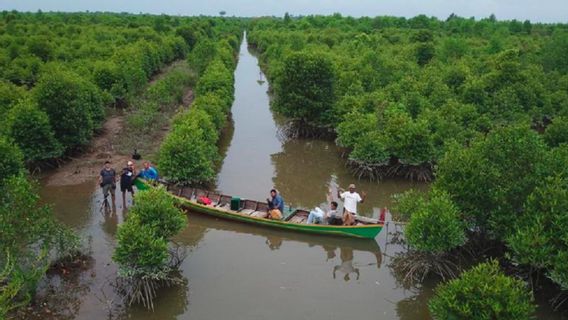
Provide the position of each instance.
(305, 169)
(331, 247)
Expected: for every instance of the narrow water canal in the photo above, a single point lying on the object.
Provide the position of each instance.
(236, 271)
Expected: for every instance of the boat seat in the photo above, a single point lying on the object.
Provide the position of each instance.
(200, 192)
(175, 189)
(224, 200)
(186, 193)
(246, 211)
(298, 219)
(215, 197)
(259, 214)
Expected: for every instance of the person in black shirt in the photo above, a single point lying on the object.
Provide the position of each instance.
(126, 180)
(107, 181)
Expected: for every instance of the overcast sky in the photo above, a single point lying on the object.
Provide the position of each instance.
(534, 10)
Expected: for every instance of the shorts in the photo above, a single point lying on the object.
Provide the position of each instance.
(107, 188)
(126, 187)
(335, 221)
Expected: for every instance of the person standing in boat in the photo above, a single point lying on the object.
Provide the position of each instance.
(350, 200)
(275, 205)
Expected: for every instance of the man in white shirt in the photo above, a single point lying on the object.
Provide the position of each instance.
(350, 199)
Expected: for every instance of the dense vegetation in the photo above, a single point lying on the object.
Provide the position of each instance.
(30, 238)
(69, 68)
(483, 293)
(400, 92)
(145, 263)
(190, 152)
(478, 104)
(60, 73)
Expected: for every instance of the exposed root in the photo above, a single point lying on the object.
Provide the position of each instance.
(413, 267)
(142, 289)
(298, 129)
(375, 172)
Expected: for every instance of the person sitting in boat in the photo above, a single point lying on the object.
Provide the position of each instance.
(275, 205)
(149, 172)
(350, 199)
(334, 217)
(316, 216)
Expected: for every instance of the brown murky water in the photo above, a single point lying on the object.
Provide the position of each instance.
(239, 271)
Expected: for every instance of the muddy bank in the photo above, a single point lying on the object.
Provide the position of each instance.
(108, 145)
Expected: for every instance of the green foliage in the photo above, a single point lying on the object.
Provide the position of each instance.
(483, 293)
(30, 237)
(31, 130)
(354, 127)
(156, 208)
(139, 251)
(10, 94)
(491, 179)
(435, 225)
(306, 88)
(11, 160)
(371, 149)
(202, 54)
(542, 238)
(424, 53)
(73, 105)
(408, 203)
(188, 153)
(218, 80)
(557, 132)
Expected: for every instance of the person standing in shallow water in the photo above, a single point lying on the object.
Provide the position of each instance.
(107, 181)
(350, 200)
(126, 179)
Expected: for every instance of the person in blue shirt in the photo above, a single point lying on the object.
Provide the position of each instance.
(275, 205)
(149, 172)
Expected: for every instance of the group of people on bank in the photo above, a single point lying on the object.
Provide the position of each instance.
(346, 218)
(108, 179)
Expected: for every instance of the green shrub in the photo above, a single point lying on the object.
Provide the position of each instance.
(11, 159)
(491, 179)
(156, 208)
(139, 251)
(541, 240)
(371, 149)
(186, 155)
(482, 293)
(73, 105)
(215, 107)
(436, 225)
(557, 132)
(10, 94)
(354, 126)
(216, 79)
(305, 89)
(408, 203)
(29, 127)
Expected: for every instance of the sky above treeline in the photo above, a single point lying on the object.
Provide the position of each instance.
(534, 10)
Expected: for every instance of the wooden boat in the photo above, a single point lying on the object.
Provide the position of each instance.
(256, 212)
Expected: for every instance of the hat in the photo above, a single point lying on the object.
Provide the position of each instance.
(130, 163)
(351, 186)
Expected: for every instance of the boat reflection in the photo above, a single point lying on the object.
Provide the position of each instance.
(332, 247)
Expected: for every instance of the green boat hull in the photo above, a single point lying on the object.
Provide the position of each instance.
(363, 231)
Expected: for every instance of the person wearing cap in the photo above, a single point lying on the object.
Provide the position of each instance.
(126, 180)
(275, 205)
(350, 199)
(107, 180)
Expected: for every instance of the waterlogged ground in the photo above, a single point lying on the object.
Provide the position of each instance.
(236, 271)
